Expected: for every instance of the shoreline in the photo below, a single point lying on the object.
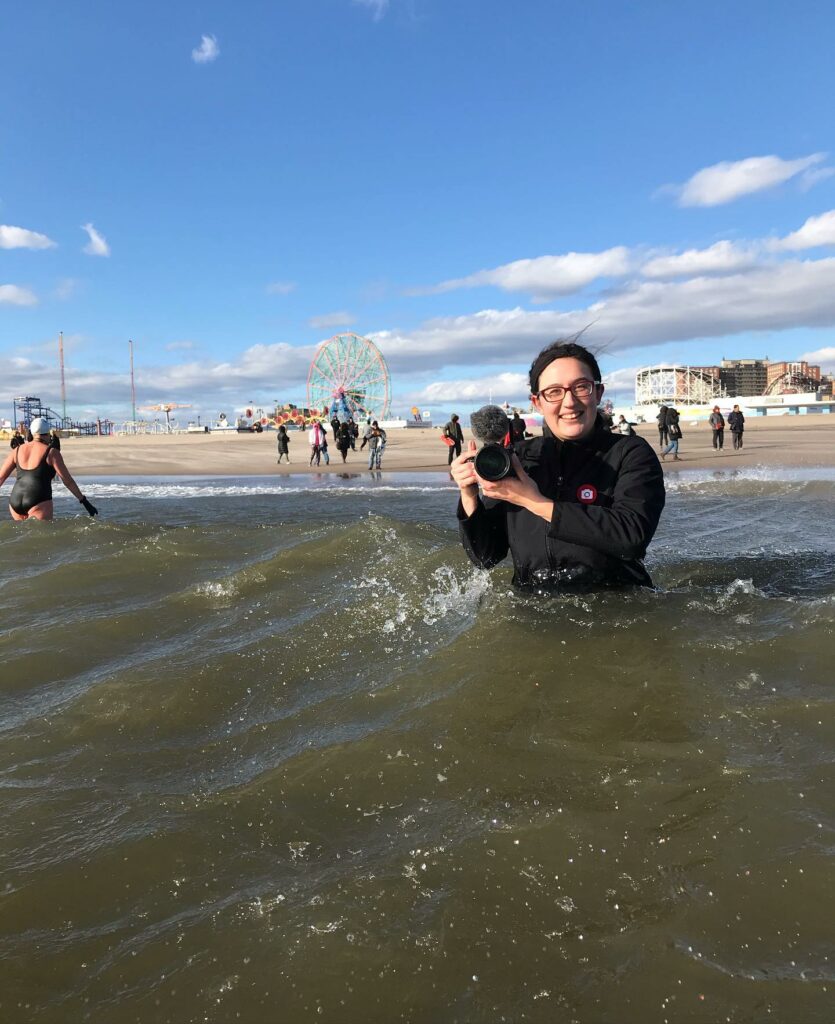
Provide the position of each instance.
(798, 441)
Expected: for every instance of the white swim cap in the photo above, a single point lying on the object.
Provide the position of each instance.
(39, 426)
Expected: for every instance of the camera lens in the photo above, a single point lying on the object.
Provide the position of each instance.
(493, 463)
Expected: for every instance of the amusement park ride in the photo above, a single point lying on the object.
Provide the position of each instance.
(348, 379)
(167, 408)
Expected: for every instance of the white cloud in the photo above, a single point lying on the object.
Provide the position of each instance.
(326, 320)
(500, 387)
(97, 246)
(14, 295)
(207, 51)
(815, 231)
(720, 258)
(377, 7)
(21, 238)
(770, 298)
(822, 357)
(208, 386)
(546, 276)
(281, 287)
(724, 182)
(620, 383)
(176, 346)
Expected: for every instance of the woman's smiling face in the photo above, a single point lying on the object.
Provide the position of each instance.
(569, 418)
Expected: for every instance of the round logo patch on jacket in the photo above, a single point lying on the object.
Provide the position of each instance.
(587, 493)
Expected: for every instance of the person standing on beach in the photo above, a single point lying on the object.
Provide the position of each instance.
(366, 434)
(18, 438)
(736, 421)
(355, 433)
(376, 445)
(283, 444)
(674, 430)
(453, 431)
(315, 437)
(517, 428)
(663, 432)
(35, 464)
(344, 437)
(717, 425)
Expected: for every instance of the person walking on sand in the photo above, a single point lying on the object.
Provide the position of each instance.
(366, 434)
(35, 464)
(674, 430)
(283, 444)
(453, 431)
(736, 421)
(663, 432)
(343, 440)
(376, 445)
(717, 425)
(315, 437)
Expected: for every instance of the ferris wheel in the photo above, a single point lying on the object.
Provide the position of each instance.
(349, 375)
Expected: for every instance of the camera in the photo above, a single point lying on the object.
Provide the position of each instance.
(493, 462)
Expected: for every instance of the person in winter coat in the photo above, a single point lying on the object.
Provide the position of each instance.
(376, 445)
(318, 444)
(717, 425)
(344, 437)
(736, 421)
(623, 426)
(663, 433)
(517, 428)
(674, 430)
(582, 504)
(283, 442)
(453, 431)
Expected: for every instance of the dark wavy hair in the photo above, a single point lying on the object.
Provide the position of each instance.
(562, 348)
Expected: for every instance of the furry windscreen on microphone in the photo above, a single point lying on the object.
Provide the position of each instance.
(489, 423)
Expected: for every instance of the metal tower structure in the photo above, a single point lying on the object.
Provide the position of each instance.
(63, 381)
(132, 384)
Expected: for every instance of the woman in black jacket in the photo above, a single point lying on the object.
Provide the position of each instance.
(583, 503)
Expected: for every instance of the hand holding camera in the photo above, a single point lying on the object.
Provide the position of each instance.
(493, 467)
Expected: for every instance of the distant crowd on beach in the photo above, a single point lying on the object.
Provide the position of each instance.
(344, 434)
(669, 429)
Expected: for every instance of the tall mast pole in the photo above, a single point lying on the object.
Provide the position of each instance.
(63, 382)
(132, 385)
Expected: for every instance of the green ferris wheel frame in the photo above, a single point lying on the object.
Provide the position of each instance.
(350, 366)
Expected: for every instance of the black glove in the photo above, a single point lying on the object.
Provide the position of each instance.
(91, 508)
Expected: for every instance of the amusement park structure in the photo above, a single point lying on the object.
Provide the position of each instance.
(676, 385)
(28, 407)
(167, 408)
(350, 378)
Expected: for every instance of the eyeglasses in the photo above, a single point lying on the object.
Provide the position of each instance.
(580, 389)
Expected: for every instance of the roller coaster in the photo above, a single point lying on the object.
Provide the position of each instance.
(28, 407)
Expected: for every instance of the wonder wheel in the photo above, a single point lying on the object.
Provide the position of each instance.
(349, 375)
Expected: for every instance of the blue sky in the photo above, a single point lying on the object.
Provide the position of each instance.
(461, 180)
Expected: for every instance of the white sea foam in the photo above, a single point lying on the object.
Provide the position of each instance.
(686, 480)
(162, 488)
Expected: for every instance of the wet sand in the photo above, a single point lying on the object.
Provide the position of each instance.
(775, 441)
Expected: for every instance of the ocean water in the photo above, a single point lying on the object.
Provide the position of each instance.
(274, 751)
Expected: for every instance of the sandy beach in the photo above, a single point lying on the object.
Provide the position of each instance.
(777, 441)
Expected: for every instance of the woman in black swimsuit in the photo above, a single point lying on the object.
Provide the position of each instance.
(35, 464)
